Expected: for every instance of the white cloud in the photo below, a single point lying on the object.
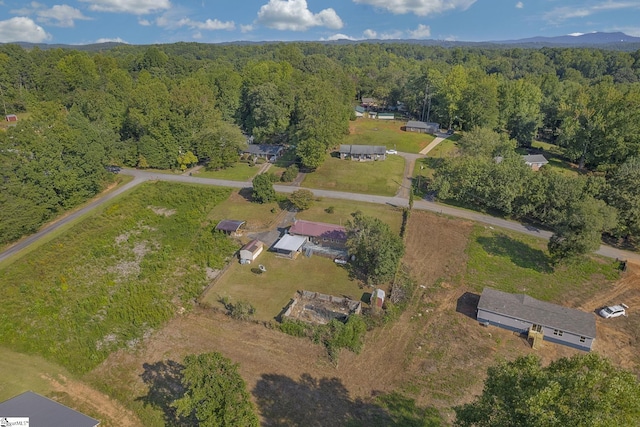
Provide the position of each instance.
(22, 29)
(564, 13)
(144, 22)
(58, 15)
(389, 35)
(519, 5)
(246, 28)
(294, 15)
(370, 34)
(209, 24)
(422, 32)
(418, 7)
(136, 7)
(108, 40)
(339, 36)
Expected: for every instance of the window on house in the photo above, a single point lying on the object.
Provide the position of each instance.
(557, 332)
(582, 339)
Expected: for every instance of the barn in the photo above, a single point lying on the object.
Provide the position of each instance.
(523, 314)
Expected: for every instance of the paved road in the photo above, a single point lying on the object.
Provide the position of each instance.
(20, 245)
(141, 176)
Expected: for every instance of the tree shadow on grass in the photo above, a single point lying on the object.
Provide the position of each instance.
(325, 402)
(164, 380)
(519, 253)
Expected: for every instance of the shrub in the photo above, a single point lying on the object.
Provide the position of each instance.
(294, 328)
(242, 310)
(330, 209)
(290, 173)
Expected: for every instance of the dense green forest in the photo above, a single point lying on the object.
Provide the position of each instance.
(168, 106)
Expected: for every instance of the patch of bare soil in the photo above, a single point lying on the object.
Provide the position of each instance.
(159, 210)
(108, 411)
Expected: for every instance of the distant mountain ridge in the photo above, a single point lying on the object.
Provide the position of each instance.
(588, 39)
(601, 40)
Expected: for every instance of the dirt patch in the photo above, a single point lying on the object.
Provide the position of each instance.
(108, 411)
(159, 210)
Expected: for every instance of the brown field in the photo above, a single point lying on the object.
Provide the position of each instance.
(435, 352)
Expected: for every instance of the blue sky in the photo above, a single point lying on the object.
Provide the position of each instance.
(207, 21)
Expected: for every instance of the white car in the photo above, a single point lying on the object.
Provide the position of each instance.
(392, 152)
(613, 311)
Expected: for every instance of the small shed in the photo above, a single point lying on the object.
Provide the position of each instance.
(535, 161)
(377, 298)
(37, 410)
(421, 127)
(320, 233)
(290, 246)
(250, 251)
(230, 226)
(359, 111)
(363, 152)
(386, 116)
(264, 151)
(521, 313)
(11, 118)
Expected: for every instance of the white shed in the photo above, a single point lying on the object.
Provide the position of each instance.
(250, 251)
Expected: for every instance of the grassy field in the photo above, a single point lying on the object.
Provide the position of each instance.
(116, 276)
(241, 171)
(270, 292)
(518, 263)
(238, 206)
(387, 133)
(342, 209)
(381, 177)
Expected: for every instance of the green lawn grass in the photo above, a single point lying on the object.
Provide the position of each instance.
(270, 292)
(241, 171)
(387, 133)
(342, 210)
(239, 207)
(517, 263)
(382, 177)
(113, 277)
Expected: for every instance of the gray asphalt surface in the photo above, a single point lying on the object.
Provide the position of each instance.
(142, 176)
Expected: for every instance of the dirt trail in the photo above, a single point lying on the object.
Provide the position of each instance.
(100, 403)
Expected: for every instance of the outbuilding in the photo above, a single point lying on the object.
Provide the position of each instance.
(230, 226)
(377, 298)
(11, 118)
(386, 116)
(250, 251)
(290, 246)
(35, 410)
(523, 314)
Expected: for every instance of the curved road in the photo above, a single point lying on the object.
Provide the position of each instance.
(400, 201)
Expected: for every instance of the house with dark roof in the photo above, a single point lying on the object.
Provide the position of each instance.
(43, 412)
(264, 151)
(230, 226)
(320, 233)
(523, 314)
(421, 127)
(250, 251)
(369, 102)
(535, 161)
(363, 152)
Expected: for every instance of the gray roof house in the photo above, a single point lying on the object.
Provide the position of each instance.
(535, 161)
(267, 151)
(520, 313)
(43, 412)
(421, 127)
(363, 152)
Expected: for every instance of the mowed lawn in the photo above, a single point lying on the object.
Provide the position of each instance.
(381, 177)
(270, 292)
(387, 133)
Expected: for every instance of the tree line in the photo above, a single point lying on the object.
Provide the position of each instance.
(171, 106)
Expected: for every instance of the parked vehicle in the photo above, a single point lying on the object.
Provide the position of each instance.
(613, 311)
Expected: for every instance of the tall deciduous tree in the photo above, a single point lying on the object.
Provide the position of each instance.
(376, 248)
(215, 392)
(520, 110)
(263, 191)
(624, 194)
(584, 390)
